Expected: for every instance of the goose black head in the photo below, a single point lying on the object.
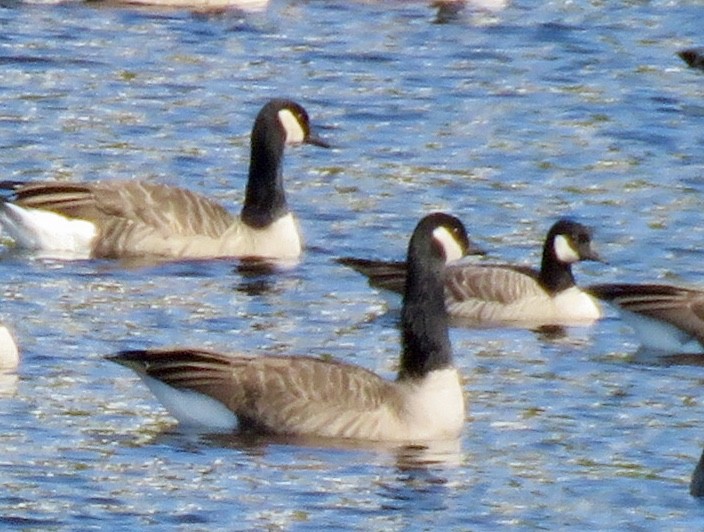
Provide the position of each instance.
(570, 242)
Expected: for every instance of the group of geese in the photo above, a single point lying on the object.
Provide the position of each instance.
(307, 396)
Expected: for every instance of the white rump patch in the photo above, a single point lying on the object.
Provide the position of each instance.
(191, 408)
(452, 248)
(564, 250)
(292, 126)
(660, 335)
(9, 356)
(47, 231)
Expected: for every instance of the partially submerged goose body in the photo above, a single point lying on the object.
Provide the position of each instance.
(305, 396)
(135, 219)
(501, 294)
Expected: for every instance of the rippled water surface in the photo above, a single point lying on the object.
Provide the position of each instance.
(508, 119)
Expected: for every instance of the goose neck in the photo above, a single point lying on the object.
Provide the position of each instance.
(265, 199)
(424, 324)
(555, 275)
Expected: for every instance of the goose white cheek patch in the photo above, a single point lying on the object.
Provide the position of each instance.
(294, 131)
(564, 250)
(453, 250)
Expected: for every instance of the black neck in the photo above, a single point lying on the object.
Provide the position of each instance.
(424, 322)
(555, 275)
(265, 199)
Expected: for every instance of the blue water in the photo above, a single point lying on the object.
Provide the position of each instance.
(507, 119)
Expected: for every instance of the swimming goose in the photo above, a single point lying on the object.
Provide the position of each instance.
(491, 294)
(132, 218)
(307, 396)
(664, 317)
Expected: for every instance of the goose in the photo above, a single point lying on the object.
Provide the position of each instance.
(665, 317)
(696, 484)
(135, 218)
(307, 396)
(503, 294)
(9, 355)
(694, 57)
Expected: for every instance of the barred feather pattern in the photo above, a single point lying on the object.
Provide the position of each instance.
(306, 396)
(488, 294)
(679, 306)
(137, 218)
(491, 294)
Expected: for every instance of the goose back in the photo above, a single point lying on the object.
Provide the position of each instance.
(494, 295)
(135, 218)
(296, 395)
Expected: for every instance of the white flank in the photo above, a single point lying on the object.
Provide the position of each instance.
(192, 409)
(453, 250)
(661, 336)
(47, 231)
(294, 131)
(9, 355)
(564, 250)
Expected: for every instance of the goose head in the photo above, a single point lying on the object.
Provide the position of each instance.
(449, 236)
(284, 122)
(567, 242)
(279, 123)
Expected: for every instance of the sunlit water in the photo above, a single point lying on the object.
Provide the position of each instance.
(508, 119)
